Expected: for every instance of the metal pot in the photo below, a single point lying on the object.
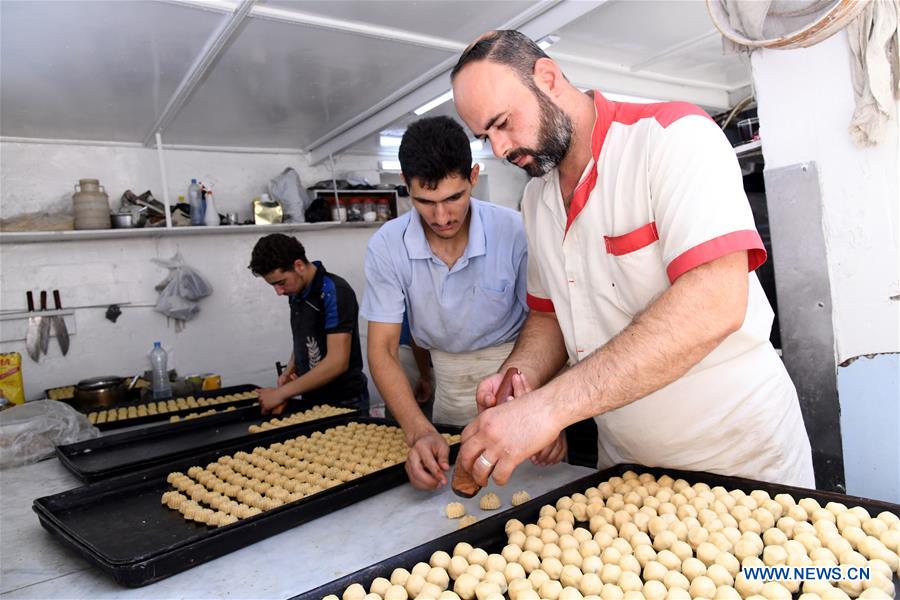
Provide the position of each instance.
(122, 220)
(99, 391)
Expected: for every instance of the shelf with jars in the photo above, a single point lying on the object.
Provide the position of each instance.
(360, 206)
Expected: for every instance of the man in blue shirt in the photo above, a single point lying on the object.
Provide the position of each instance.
(457, 267)
(326, 364)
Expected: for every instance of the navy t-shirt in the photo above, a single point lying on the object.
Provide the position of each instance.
(328, 305)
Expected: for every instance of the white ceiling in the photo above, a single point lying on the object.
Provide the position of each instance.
(323, 76)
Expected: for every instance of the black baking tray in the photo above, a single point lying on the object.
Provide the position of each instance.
(120, 525)
(125, 452)
(234, 389)
(490, 533)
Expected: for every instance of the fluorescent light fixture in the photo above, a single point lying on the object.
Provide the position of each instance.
(389, 165)
(476, 145)
(389, 141)
(448, 95)
(547, 41)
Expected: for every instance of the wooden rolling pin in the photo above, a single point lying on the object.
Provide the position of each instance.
(463, 484)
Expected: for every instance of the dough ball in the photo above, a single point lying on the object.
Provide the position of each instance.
(485, 589)
(678, 594)
(775, 591)
(693, 568)
(514, 570)
(570, 593)
(654, 570)
(465, 586)
(477, 557)
(467, 520)
(610, 573)
(516, 586)
(399, 576)
(379, 586)
(476, 570)
(726, 592)
(439, 559)
(520, 497)
(674, 579)
(630, 582)
(537, 578)
(396, 592)
(458, 566)
(570, 576)
(455, 510)
(707, 553)
(550, 589)
(511, 553)
(414, 584)
(430, 590)
(421, 568)
(719, 575)
(669, 560)
(590, 584)
(529, 561)
(489, 501)
(517, 538)
(448, 595)
(611, 592)
(354, 591)
(591, 564)
(552, 566)
(630, 563)
(654, 590)
(550, 551)
(439, 577)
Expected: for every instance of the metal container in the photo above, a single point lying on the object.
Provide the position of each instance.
(99, 391)
(91, 205)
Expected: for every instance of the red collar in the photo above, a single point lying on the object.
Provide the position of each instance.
(605, 112)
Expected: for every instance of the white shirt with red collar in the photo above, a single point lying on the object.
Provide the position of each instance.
(663, 194)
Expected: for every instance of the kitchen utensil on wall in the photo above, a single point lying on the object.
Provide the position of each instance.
(91, 205)
(33, 333)
(45, 325)
(59, 326)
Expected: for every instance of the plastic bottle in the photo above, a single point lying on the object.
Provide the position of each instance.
(196, 201)
(158, 359)
(211, 219)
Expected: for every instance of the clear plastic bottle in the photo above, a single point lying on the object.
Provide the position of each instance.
(211, 219)
(158, 361)
(196, 201)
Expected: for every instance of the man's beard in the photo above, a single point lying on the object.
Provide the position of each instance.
(554, 138)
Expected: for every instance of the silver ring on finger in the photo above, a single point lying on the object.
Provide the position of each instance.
(484, 462)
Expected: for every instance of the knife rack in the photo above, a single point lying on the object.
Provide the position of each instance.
(14, 325)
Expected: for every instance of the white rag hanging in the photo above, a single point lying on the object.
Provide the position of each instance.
(875, 66)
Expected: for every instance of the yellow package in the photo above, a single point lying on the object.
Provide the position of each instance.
(11, 386)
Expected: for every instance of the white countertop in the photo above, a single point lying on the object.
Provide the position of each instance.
(33, 564)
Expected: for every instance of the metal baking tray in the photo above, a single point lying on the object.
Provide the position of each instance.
(490, 534)
(234, 389)
(120, 526)
(116, 454)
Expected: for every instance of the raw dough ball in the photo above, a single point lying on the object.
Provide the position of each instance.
(570, 576)
(439, 577)
(719, 575)
(630, 582)
(550, 589)
(693, 568)
(420, 569)
(731, 564)
(570, 593)
(775, 591)
(654, 570)
(476, 570)
(674, 579)
(399, 576)
(486, 588)
(630, 563)
(668, 559)
(465, 586)
(414, 584)
(354, 591)
(511, 553)
(707, 553)
(458, 566)
(520, 497)
(379, 586)
(489, 501)
(430, 590)
(514, 570)
(611, 592)
(610, 573)
(703, 587)
(396, 592)
(654, 590)
(467, 520)
(529, 561)
(590, 584)
(455, 510)
(439, 559)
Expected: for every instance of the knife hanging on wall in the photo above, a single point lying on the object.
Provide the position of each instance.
(59, 326)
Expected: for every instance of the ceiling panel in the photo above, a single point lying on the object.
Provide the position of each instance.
(284, 85)
(460, 20)
(93, 70)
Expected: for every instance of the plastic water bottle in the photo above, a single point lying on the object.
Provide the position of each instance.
(158, 359)
(196, 201)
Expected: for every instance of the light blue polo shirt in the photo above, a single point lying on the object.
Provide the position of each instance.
(478, 303)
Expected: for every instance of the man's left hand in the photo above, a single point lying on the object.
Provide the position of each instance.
(272, 400)
(508, 434)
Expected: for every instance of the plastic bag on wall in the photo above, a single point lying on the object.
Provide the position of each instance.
(29, 432)
(180, 291)
(288, 191)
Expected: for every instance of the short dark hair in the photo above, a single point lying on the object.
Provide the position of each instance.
(506, 47)
(434, 148)
(276, 251)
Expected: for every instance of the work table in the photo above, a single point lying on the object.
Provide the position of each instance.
(33, 564)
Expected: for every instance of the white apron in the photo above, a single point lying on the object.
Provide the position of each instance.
(456, 378)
